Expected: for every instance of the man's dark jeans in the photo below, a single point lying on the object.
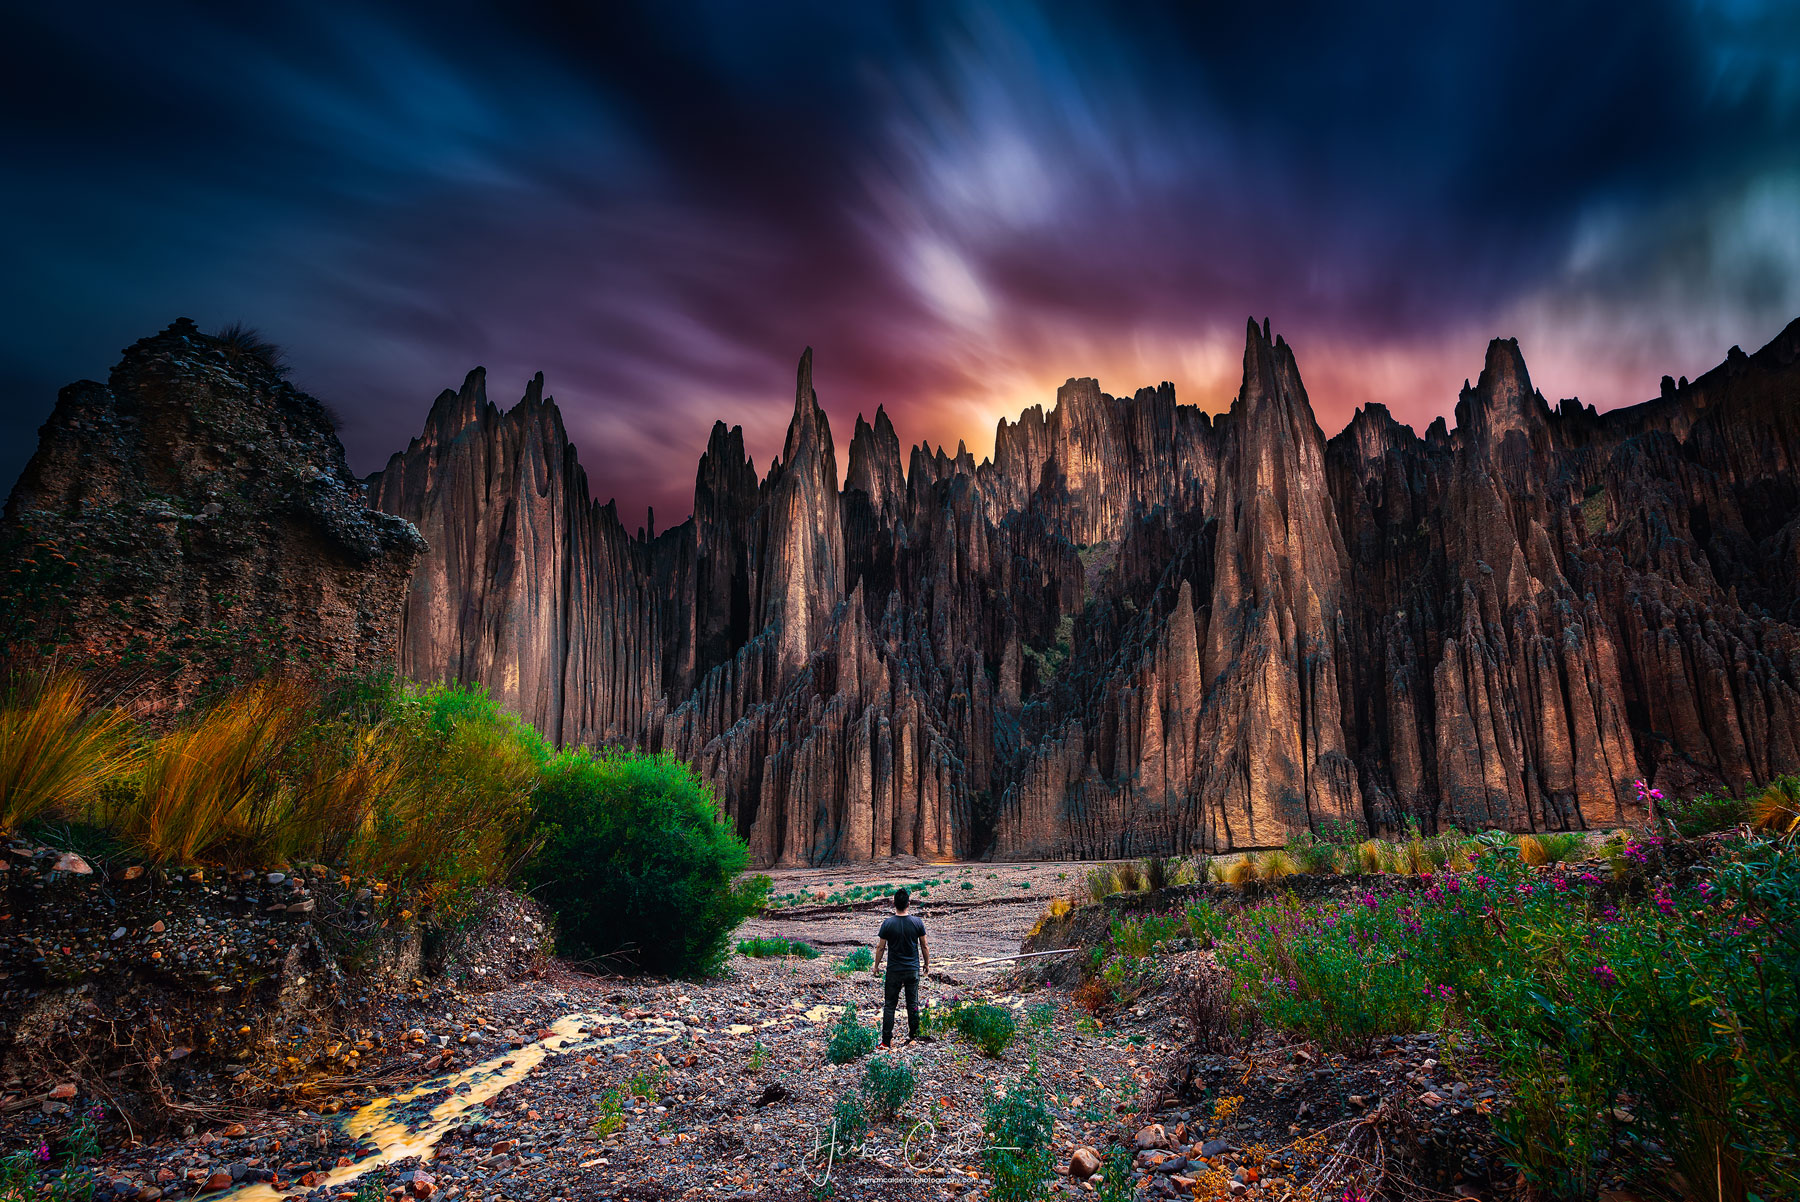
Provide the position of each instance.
(909, 978)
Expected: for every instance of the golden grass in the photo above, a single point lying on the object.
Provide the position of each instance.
(58, 750)
(1058, 907)
(213, 787)
(1778, 809)
(1273, 865)
(1240, 872)
(1102, 883)
(1129, 876)
(1531, 850)
(1371, 855)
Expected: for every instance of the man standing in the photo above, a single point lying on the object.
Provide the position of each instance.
(911, 957)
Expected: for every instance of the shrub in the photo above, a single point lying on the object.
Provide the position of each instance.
(1205, 922)
(887, 1083)
(1331, 974)
(439, 792)
(1704, 814)
(638, 864)
(850, 1040)
(58, 751)
(763, 949)
(1156, 873)
(988, 1027)
(1129, 937)
(1018, 1125)
(1311, 854)
(859, 960)
(968, 885)
(849, 1126)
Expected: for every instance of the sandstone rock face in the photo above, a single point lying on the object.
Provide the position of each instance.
(195, 514)
(1141, 629)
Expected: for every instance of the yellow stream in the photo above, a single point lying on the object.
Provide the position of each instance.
(398, 1135)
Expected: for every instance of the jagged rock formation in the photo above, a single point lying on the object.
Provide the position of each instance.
(192, 517)
(1139, 628)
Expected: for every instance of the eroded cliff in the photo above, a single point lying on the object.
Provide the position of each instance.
(1139, 628)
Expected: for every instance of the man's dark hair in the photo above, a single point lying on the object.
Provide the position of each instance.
(901, 899)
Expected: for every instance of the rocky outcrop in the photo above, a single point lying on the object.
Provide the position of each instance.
(194, 517)
(1139, 628)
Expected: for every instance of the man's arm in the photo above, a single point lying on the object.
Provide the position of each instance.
(880, 951)
(924, 957)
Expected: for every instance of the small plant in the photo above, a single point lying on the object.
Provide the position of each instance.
(758, 1059)
(763, 949)
(1115, 1184)
(1041, 1015)
(647, 1084)
(968, 885)
(843, 1136)
(25, 1175)
(1205, 922)
(988, 1027)
(1018, 1126)
(887, 1083)
(850, 1040)
(859, 960)
(609, 1112)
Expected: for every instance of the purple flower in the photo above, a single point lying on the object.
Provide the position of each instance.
(1605, 973)
(43, 1151)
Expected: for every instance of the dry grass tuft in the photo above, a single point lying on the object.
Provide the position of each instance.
(1531, 850)
(214, 786)
(58, 750)
(1102, 883)
(1371, 855)
(1131, 878)
(1239, 872)
(1778, 809)
(1273, 865)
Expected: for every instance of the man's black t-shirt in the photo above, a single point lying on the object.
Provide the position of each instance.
(903, 932)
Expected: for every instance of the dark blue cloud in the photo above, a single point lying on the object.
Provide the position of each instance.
(958, 206)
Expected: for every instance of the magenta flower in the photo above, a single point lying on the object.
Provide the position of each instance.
(1605, 973)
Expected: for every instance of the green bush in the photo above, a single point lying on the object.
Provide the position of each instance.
(1704, 814)
(763, 949)
(849, 1038)
(887, 1083)
(1018, 1124)
(843, 1137)
(988, 1027)
(638, 864)
(860, 960)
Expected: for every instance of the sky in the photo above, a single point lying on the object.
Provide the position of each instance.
(958, 206)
